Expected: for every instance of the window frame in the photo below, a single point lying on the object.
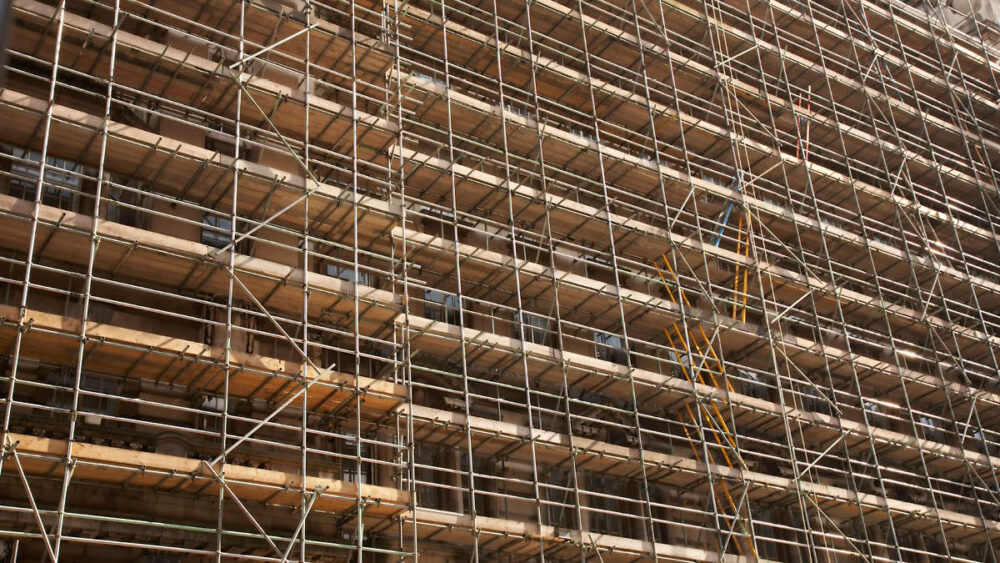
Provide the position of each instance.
(537, 328)
(605, 350)
(62, 184)
(211, 225)
(441, 306)
(346, 273)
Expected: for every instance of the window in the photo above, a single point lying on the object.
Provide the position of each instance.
(425, 458)
(984, 443)
(66, 380)
(601, 268)
(530, 247)
(595, 265)
(876, 414)
(125, 206)
(222, 139)
(442, 222)
(813, 401)
(763, 527)
(215, 230)
(600, 519)
(930, 428)
(611, 348)
(432, 79)
(484, 503)
(349, 465)
(516, 109)
(752, 384)
(348, 273)
(441, 307)
(535, 329)
(559, 496)
(62, 180)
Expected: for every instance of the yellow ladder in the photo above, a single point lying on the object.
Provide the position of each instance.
(712, 420)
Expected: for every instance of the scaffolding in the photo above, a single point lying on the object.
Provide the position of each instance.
(471, 280)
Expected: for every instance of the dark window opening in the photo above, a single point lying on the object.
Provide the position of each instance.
(876, 414)
(813, 401)
(425, 456)
(752, 383)
(349, 464)
(348, 273)
(61, 184)
(88, 403)
(442, 307)
(125, 206)
(535, 329)
(610, 348)
(600, 519)
(216, 230)
(560, 498)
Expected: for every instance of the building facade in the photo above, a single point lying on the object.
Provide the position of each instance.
(483, 280)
